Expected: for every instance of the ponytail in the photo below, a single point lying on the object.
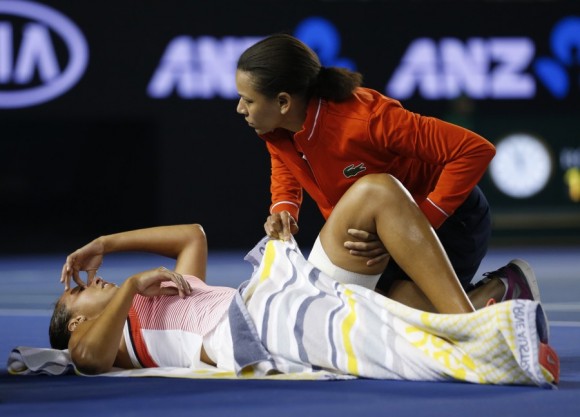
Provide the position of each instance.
(336, 84)
(283, 63)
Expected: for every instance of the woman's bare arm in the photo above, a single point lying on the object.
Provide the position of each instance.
(186, 243)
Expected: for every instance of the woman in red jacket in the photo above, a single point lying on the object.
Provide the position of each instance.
(324, 131)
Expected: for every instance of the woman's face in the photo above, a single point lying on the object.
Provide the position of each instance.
(91, 300)
(263, 114)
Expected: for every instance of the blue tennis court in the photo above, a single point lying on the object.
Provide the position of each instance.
(29, 286)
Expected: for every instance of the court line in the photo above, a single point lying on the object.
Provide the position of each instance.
(566, 307)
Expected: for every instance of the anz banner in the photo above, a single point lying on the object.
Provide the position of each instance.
(105, 103)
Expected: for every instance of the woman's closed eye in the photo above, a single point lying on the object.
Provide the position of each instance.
(77, 290)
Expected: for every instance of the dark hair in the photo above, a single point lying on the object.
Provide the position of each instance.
(58, 331)
(283, 63)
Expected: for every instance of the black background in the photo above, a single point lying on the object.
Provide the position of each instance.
(105, 157)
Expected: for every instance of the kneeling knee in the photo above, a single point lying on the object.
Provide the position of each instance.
(375, 184)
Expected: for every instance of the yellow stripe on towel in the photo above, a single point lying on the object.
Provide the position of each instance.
(347, 325)
(269, 256)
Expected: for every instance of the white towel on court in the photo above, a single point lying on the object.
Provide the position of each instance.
(25, 360)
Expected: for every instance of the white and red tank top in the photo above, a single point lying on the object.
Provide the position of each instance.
(169, 330)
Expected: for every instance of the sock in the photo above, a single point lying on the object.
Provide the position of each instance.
(490, 302)
(505, 282)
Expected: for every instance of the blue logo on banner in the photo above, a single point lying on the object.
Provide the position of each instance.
(565, 45)
(488, 68)
(323, 37)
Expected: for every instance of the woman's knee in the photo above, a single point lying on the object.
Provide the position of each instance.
(378, 186)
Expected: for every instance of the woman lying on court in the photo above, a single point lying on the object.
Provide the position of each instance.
(293, 315)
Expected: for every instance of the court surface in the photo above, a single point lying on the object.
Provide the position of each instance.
(29, 286)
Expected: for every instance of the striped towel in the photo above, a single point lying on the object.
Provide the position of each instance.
(290, 317)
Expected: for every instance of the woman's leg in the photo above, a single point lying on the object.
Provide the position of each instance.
(465, 237)
(378, 203)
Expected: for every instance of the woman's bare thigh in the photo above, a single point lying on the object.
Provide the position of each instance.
(353, 211)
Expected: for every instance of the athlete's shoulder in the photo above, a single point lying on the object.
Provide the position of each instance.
(363, 104)
(370, 96)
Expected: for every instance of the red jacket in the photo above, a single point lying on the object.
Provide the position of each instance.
(438, 162)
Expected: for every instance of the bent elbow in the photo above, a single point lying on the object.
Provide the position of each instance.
(197, 233)
(90, 364)
(198, 230)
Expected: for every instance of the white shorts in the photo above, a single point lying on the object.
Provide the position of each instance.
(219, 346)
(320, 260)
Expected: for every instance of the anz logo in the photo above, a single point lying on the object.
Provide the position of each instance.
(201, 68)
(489, 68)
(205, 67)
(31, 72)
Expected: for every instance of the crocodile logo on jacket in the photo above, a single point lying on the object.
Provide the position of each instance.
(352, 170)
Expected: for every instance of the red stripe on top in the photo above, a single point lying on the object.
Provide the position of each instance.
(139, 345)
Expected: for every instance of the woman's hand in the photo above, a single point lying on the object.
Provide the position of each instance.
(148, 283)
(88, 258)
(281, 226)
(368, 245)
